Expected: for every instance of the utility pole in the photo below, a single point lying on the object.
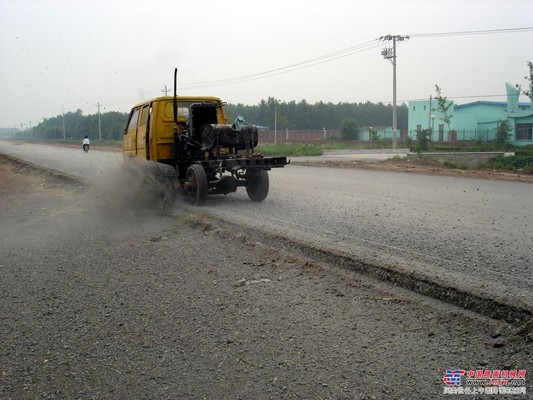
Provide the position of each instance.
(64, 135)
(276, 124)
(389, 53)
(429, 118)
(165, 90)
(99, 124)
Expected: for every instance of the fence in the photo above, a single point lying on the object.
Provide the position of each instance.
(318, 136)
(297, 136)
(476, 135)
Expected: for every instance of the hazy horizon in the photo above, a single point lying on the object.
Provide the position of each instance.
(60, 56)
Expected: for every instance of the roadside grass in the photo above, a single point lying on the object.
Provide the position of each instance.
(290, 149)
(308, 149)
(459, 148)
(519, 162)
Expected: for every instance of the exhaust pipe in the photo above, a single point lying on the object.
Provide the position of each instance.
(175, 102)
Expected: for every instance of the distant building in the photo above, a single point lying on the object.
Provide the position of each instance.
(474, 121)
(380, 132)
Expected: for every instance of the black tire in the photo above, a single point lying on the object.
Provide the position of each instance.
(257, 186)
(196, 185)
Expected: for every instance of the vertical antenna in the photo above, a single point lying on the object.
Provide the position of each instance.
(175, 102)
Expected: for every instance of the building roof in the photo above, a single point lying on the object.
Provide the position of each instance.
(490, 103)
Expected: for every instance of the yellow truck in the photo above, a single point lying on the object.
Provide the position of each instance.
(188, 139)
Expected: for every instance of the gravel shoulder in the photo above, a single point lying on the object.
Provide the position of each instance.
(105, 296)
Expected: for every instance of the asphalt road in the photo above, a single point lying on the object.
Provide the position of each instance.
(475, 235)
(92, 166)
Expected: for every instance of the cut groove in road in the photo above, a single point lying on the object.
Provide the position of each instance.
(494, 308)
(430, 258)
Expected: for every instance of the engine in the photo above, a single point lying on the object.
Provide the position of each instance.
(217, 135)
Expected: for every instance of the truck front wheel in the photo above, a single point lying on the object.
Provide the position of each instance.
(257, 186)
(196, 185)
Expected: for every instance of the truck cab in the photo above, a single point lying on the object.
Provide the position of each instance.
(149, 132)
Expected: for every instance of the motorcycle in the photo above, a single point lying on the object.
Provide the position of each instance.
(86, 148)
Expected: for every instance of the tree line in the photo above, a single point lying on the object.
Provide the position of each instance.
(75, 125)
(305, 116)
(288, 115)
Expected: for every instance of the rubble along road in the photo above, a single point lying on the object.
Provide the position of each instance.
(104, 296)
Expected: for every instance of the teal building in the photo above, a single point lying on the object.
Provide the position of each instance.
(476, 121)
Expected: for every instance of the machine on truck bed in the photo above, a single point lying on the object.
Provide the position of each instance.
(188, 139)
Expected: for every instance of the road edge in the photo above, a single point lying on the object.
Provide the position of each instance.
(65, 177)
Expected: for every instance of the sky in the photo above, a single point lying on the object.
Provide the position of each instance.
(63, 55)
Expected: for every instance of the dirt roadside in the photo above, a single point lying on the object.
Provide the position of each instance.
(104, 297)
(427, 167)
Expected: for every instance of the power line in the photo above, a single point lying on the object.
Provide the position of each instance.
(467, 33)
(336, 55)
(283, 70)
(148, 93)
(346, 52)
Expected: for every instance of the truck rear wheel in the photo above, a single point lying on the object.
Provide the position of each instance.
(196, 185)
(257, 186)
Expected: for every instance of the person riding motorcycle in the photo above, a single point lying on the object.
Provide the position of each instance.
(85, 143)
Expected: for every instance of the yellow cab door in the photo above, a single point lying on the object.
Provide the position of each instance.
(142, 132)
(129, 142)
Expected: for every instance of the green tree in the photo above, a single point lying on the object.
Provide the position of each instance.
(78, 125)
(444, 106)
(303, 115)
(422, 136)
(502, 139)
(349, 129)
(374, 135)
(528, 92)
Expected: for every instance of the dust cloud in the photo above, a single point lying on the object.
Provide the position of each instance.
(131, 194)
